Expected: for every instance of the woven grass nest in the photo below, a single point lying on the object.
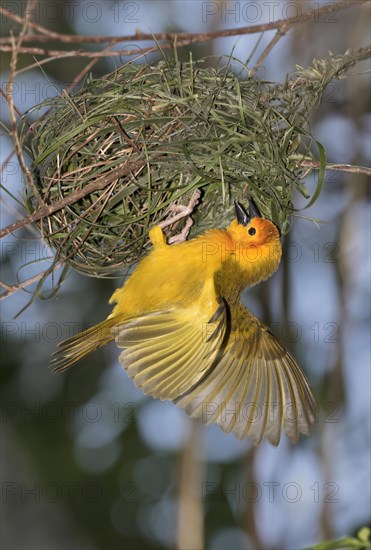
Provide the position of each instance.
(156, 133)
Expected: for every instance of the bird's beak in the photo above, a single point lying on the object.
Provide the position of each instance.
(243, 217)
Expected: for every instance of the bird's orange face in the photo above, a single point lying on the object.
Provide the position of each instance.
(258, 245)
(257, 232)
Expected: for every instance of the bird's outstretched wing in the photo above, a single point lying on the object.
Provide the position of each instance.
(228, 369)
(168, 352)
(256, 387)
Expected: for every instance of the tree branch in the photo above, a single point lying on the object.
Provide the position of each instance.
(182, 38)
(47, 210)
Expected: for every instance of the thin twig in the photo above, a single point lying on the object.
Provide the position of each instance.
(5, 96)
(279, 34)
(12, 289)
(100, 55)
(61, 54)
(125, 136)
(12, 109)
(341, 167)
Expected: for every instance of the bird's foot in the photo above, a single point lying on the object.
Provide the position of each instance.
(182, 212)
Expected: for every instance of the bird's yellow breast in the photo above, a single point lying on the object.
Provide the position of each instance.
(171, 275)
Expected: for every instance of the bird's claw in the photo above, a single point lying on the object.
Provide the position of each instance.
(182, 212)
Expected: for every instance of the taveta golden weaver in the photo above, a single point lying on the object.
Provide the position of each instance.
(187, 337)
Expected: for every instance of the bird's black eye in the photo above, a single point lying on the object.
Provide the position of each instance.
(252, 231)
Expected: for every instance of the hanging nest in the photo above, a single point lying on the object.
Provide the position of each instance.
(127, 145)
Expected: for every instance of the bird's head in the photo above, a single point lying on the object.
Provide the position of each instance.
(257, 242)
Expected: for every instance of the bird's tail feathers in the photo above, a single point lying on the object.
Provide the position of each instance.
(75, 348)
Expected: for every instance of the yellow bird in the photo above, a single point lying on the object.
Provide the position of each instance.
(187, 337)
